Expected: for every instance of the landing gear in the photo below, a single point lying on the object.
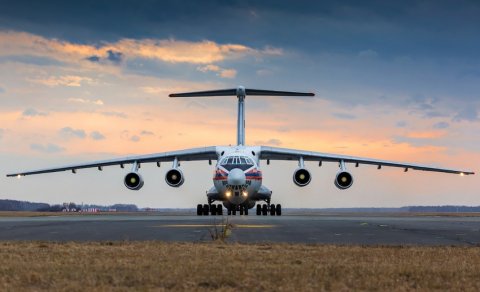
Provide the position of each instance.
(273, 209)
(199, 210)
(264, 210)
(205, 209)
(219, 209)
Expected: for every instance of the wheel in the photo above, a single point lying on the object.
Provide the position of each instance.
(241, 210)
(272, 209)
(219, 209)
(229, 212)
(264, 210)
(205, 210)
(279, 210)
(259, 209)
(199, 210)
(245, 211)
(213, 210)
(234, 211)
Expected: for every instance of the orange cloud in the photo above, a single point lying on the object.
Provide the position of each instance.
(170, 50)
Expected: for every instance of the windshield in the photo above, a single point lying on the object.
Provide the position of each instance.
(241, 162)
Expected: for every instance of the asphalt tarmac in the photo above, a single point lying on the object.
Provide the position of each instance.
(322, 229)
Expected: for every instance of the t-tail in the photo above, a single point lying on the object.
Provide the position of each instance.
(241, 92)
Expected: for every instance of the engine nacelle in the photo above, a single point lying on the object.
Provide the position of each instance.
(343, 180)
(174, 177)
(302, 177)
(133, 181)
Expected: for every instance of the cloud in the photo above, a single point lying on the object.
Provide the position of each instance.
(93, 58)
(115, 57)
(224, 73)
(48, 148)
(274, 142)
(31, 112)
(1, 133)
(166, 50)
(441, 125)
(69, 132)
(401, 124)
(68, 80)
(467, 114)
(115, 114)
(135, 138)
(2, 90)
(368, 54)
(96, 135)
(344, 116)
(86, 101)
(146, 133)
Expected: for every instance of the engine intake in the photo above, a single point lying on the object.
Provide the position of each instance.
(343, 180)
(133, 181)
(301, 177)
(174, 177)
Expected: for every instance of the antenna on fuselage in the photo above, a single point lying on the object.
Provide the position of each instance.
(241, 92)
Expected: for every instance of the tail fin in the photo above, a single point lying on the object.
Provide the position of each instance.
(240, 92)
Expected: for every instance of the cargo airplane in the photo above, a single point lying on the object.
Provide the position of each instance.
(237, 180)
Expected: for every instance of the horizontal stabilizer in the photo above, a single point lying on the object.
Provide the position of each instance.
(222, 92)
(276, 93)
(241, 91)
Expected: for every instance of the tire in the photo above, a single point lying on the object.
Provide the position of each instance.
(199, 210)
(279, 210)
(264, 210)
(272, 209)
(241, 210)
(245, 211)
(259, 209)
(219, 209)
(229, 212)
(234, 211)
(213, 210)
(205, 210)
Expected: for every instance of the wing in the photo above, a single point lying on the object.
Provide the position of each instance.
(205, 153)
(274, 153)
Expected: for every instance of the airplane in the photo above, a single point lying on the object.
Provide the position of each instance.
(237, 180)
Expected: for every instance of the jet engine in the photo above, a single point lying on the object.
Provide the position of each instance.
(174, 177)
(133, 181)
(301, 177)
(343, 180)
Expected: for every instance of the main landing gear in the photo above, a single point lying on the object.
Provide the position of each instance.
(265, 209)
(211, 209)
(272, 209)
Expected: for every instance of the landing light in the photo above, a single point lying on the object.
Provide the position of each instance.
(19, 176)
(228, 194)
(244, 193)
(462, 174)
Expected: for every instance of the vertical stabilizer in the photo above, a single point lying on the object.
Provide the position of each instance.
(241, 92)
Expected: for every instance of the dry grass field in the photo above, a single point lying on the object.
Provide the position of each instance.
(145, 266)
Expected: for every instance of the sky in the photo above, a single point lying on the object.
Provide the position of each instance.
(89, 80)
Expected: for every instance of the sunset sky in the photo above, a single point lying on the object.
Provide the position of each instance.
(89, 80)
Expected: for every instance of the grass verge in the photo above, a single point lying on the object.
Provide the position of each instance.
(47, 266)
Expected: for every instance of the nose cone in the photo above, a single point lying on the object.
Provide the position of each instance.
(236, 177)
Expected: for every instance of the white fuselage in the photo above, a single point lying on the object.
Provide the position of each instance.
(237, 177)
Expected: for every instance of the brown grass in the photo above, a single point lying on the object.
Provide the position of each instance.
(211, 266)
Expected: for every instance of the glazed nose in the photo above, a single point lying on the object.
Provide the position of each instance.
(236, 177)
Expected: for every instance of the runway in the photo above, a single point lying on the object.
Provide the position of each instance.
(322, 229)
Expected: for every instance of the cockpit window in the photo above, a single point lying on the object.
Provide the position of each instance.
(241, 162)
